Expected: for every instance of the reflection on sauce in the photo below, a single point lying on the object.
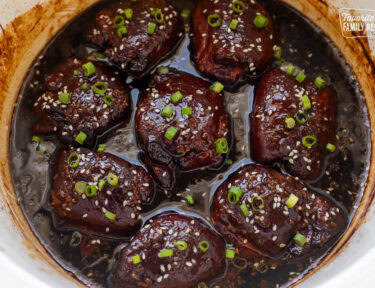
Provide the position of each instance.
(90, 258)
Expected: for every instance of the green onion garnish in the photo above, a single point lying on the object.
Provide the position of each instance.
(64, 98)
(167, 112)
(75, 72)
(187, 111)
(309, 141)
(292, 201)
(229, 161)
(238, 6)
(80, 187)
(90, 190)
(88, 69)
(121, 31)
(222, 146)
(204, 245)
(119, 21)
(128, 13)
(100, 88)
(100, 56)
(158, 15)
(151, 28)
(108, 100)
(277, 53)
(171, 133)
(102, 147)
(244, 209)
(185, 13)
(300, 77)
(291, 69)
(306, 102)
(300, 239)
(73, 159)
(176, 97)
(257, 203)
(320, 82)
(214, 20)
(230, 253)
(112, 179)
(234, 195)
(301, 118)
(165, 253)
(136, 259)
(233, 24)
(84, 86)
(81, 137)
(41, 149)
(202, 285)
(181, 245)
(190, 200)
(110, 215)
(290, 123)
(260, 21)
(330, 147)
(163, 70)
(217, 87)
(36, 139)
(101, 184)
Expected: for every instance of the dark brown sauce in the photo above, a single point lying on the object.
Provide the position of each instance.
(303, 45)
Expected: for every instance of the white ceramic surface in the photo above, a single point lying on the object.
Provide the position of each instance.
(353, 267)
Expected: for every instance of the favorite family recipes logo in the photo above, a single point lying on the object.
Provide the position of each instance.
(357, 22)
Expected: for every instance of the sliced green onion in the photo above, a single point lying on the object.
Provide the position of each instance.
(81, 137)
(36, 139)
(330, 147)
(181, 245)
(300, 239)
(230, 253)
(222, 146)
(110, 215)
(185, 13)
(84, 86)
(244, 209)
(202, 285)
(108, 100)
(119, 21)
(80, 187)
(151, 28)
(163, 70)
(301, 118)
(257, 203)
(290, 123)
(165, 253)
(233, 24)
(234, 195)
(309, 141)
(190, 200)
(112, 179)
(278, 63)
(158, 15)
(102, 147)
(204, 245)
(291, 69)
(292, 201)
(100, 88)
(100, 56)
(214, 20)
(306, 102)
(88, 69)
(90, 190)
(101, 184)
(217, 87)
(121, 31)
(320, 82)
(167, 112)
(128, 13)
(277, 53)
(300, 77)
(229, 162)
(73, 159)
(171, 133)
(187, 111)
(176, 97)
(136, 259)
(238, 6)
(64, 98)
(75, 72)
(260, 21)
(41, 149)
